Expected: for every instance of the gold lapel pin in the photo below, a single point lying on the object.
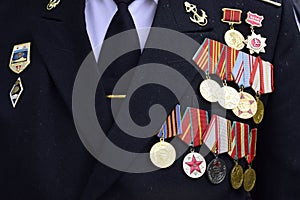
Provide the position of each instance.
(52, 4)
(198, 19)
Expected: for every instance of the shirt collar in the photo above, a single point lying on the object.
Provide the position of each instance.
(155, 1)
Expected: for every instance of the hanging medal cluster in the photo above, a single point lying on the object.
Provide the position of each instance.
(254, 78)
(245, 70)
(234, 39)
(218, 134)
(19, 61)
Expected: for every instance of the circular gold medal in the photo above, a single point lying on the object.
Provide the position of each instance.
(259, 115)
(247, 106)
(234, 39)
(236, 176)
(209, 90)
(228, 97)
(249, 179)
(162, 154)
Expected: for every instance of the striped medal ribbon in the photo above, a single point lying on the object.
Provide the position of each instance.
(250, 175)
(216, 139)
(238, 148)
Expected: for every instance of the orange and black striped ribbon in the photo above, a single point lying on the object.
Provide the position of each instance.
(172, 126)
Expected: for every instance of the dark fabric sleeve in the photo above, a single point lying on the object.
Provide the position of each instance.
(278, 152)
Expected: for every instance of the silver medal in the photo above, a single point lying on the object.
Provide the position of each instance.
(209, 90)
(229, 98)
(216, 171)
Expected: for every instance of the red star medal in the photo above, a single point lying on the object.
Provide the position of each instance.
(194, 165)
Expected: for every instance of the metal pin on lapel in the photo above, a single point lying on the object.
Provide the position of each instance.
(52, 4)
(272, 2)
(114, 96)
(198, 19)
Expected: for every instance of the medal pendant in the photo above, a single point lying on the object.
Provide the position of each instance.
(259, 115)
(255, 43)
(209, 90)
(16, 92)
(247, 106)
(236, 176)
(194, 165)
(249, 179)
(234, 39)
(162, 154)
(216, 171)
(20, 57)
(228, 97)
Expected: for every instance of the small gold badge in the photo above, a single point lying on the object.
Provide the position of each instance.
(16, 92)
(20, 57)
(52, 4)
(198, 19)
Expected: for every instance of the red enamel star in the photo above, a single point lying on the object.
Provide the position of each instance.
(194, 165)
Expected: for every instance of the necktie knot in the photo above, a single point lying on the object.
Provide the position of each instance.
(127, 2)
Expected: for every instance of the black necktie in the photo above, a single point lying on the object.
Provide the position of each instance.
(122, 21)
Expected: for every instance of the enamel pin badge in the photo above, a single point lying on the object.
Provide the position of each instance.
(20, 57)
(16, 92)
(19, 61)
(52, 4)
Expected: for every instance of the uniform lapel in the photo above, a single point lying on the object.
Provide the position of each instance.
(63, 43)
(103, 177)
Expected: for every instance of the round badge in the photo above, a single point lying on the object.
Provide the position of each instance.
(216, 171)
(256, 43)
(209, 90)
(249, 179)
(234, 39)
(259, 115)
(236, 176)
(162, 154)
(228, 97)
(247, 106)
(194, 165)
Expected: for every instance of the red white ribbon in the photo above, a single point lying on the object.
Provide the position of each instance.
(238, 140)
(216, 136)
(262, 76)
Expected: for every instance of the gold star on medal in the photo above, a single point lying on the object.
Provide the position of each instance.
(256, 43)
